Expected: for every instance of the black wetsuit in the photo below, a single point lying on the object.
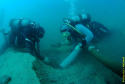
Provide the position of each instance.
(99, 30)
(23, 39)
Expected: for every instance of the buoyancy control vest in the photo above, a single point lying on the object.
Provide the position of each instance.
(83, 19)
(97, 28)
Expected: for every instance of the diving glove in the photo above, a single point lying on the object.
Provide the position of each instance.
(46, 60)
(83, 43)
(69, 38)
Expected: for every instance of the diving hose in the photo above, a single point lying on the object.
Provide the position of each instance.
(74, 29)
(113, 65)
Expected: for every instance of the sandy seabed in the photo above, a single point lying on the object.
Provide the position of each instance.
(25, 69)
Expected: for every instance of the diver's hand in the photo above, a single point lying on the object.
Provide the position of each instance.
(46, 60)
(67, 41)
(90, 47)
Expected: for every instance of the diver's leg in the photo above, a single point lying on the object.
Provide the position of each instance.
(4, 47)
(4, 34)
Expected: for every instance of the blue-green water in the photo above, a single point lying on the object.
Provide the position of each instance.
(50, 14)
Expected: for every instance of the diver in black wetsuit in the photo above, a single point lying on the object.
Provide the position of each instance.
(88, 31)
(81, 31)
(24, 34)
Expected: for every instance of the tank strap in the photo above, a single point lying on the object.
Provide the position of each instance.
(80, 16)
(20, 22)
(11, 22)
(74, 29)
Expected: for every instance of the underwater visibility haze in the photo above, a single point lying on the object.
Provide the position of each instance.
(23, 68)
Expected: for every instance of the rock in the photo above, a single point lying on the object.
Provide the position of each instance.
(5, 79)
(57, 45)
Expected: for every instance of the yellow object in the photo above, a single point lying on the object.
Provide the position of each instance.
(74, 29)
(66, 34)
(87, 26)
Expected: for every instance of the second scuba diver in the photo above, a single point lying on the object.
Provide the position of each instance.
(24, 34)
(81, 30)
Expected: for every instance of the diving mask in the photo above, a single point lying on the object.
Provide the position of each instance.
(66, 20)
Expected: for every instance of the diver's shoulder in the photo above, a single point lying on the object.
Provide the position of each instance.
(79, 26)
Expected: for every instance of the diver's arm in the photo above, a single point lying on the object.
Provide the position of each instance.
(45, 60)
(30, 45)
(37, 54)
(38, 47)
(85, 31)
(115, 66)
(88, 34)
(34, 52)
(4, 47)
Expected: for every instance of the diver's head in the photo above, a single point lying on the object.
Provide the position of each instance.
(65, 30)
(66, 34)
(69, 21)
(40, 32)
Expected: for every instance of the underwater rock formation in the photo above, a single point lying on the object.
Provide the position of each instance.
(57, 45)
(85, 69)
(5, 79)
(18, 66)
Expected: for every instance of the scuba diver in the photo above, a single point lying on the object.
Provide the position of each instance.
(74, 30)
(81, 30)
(24, 34)
(99, 31)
